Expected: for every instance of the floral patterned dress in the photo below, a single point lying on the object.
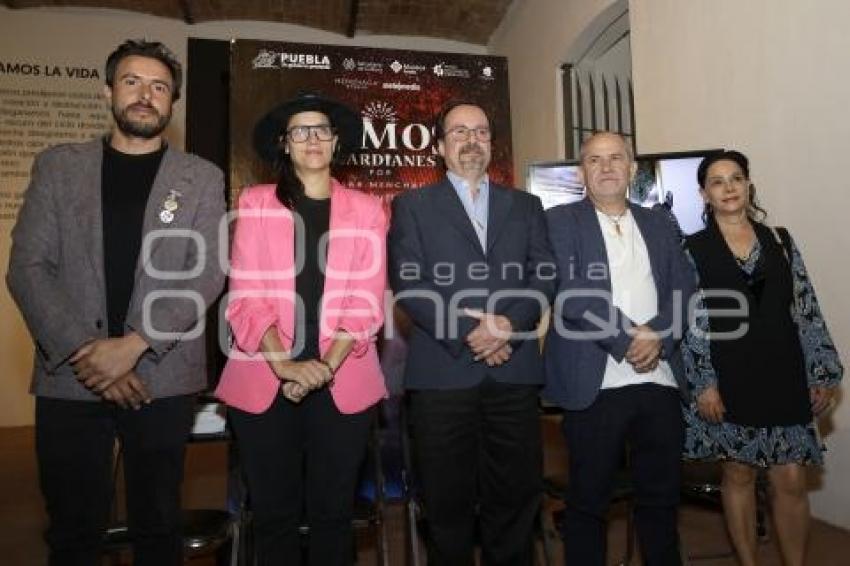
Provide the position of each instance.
(761, 446)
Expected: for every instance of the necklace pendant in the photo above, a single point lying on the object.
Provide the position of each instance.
(615, 220)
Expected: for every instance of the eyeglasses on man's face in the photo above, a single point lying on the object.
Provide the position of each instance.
(300, 134)
(462, 133)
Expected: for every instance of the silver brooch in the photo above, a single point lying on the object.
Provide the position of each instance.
(169, 206)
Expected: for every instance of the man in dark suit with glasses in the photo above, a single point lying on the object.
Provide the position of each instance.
(471, 265)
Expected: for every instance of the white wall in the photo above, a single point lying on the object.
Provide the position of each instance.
(768, 77)
(86, 36)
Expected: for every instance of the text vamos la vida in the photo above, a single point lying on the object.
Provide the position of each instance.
(38, 70)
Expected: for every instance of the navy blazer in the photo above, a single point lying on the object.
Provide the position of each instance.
(437, 267)
(577, 347)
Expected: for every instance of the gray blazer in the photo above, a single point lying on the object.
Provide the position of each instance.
(575, 367)
(56, 269)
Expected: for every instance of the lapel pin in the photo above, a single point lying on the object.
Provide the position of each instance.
(169, 206)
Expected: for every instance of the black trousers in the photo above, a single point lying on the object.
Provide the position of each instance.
(478, 455)
(74, 446)
(645, 422)
(302, 459)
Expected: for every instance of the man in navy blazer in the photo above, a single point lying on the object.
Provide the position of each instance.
(471, 265)
(612, 357)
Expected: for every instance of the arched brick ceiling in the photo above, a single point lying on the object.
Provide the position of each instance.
(472, 21)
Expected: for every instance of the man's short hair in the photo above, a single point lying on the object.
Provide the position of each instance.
(152, 50)
(440, 120)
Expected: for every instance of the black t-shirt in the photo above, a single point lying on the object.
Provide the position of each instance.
(310, 280)
(126, 182)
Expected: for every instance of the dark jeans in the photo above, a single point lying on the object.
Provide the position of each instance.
(644, 422)
(478, 455)
(302, 457)
(74, 445)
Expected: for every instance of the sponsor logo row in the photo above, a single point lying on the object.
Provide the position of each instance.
(366, 84)
(268, 59)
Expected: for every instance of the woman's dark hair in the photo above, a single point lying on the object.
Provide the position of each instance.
(289, 187)
(151, 50)
(754, 209)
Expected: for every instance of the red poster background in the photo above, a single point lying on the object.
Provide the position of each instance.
(397, 93)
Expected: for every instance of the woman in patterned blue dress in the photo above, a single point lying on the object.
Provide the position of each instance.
(757, 376)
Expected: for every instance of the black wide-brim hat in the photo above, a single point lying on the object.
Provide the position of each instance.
(346, 122)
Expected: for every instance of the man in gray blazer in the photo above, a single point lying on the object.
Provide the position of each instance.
(612, 355)
(471, 266)
(113, 264)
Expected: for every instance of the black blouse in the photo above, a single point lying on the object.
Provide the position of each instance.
(310, 279)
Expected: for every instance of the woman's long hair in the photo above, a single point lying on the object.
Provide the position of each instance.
(755, 212)
(289, 186)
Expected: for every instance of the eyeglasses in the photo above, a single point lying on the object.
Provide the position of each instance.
(462, 133)
(300, 134)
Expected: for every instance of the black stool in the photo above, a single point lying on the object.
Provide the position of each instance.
(204, 530)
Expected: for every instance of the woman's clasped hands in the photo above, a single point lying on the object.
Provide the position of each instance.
(301, 377)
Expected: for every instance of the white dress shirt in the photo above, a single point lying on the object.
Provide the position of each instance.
(634, 293)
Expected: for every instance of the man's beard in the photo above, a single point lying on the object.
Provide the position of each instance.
(472, 158)
(140, 128)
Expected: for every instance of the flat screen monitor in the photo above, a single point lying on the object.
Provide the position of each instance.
(555, 182)
(665, 179)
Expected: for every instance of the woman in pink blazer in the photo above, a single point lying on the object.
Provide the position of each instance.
(305, 303)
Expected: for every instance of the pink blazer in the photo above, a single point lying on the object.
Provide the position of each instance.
(262, 294)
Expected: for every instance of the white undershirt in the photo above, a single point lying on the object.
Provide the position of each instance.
(634, 293)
